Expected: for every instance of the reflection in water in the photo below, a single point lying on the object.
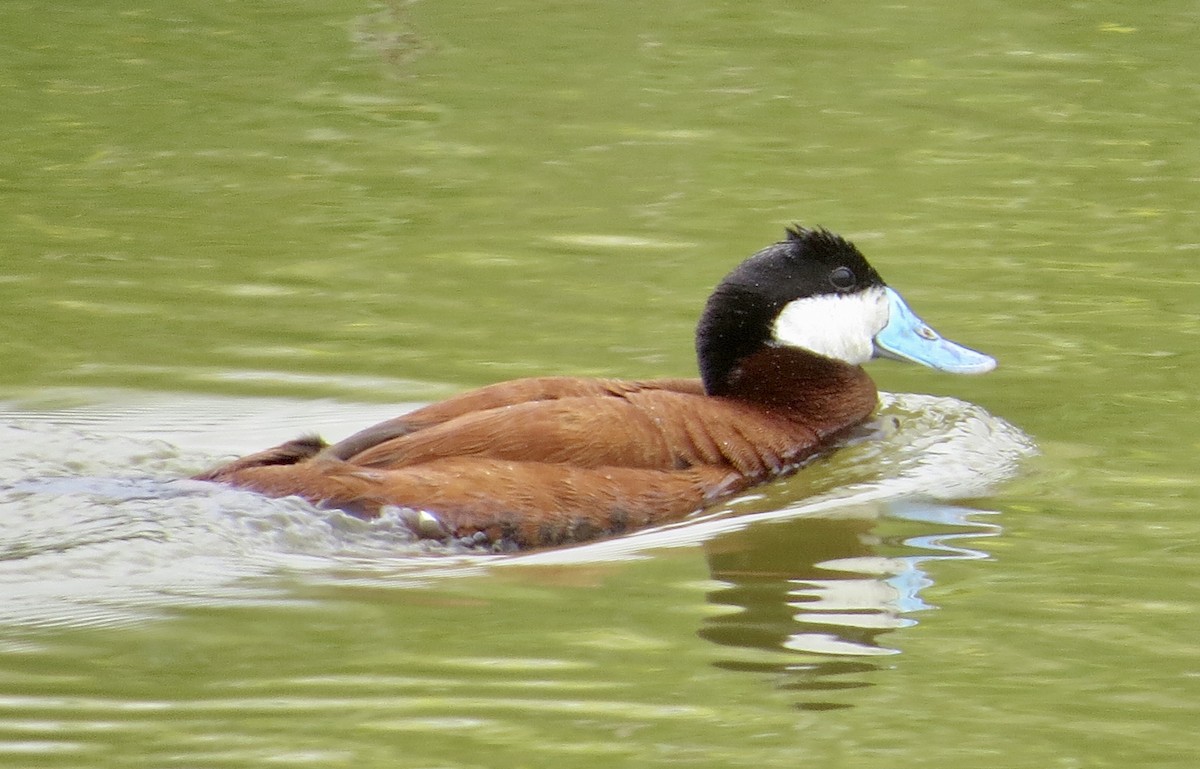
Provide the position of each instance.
(825, 591)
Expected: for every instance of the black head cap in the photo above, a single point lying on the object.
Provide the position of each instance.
(740, 314)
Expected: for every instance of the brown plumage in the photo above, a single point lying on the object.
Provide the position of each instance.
(546, 461)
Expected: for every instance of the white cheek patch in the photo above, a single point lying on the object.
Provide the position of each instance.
(840, 326)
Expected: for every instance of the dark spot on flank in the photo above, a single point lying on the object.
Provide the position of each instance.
(582, 529)
(356, 508)
(551, 534)
(505, 546)
(510, 529)
(618, 521)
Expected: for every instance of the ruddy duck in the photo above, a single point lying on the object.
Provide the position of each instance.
(553, 460)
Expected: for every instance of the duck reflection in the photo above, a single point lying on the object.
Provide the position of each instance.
(813, 599)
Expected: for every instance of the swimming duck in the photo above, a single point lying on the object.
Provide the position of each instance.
(547, 461)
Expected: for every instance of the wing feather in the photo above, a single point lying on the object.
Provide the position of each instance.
(511, 393)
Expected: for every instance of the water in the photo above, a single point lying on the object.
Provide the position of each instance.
(227, 226)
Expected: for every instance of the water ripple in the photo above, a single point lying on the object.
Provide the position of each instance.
(100, 531)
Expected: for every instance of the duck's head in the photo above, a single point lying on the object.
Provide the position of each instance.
(815, 292)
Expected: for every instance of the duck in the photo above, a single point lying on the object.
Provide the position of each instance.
(550, 461)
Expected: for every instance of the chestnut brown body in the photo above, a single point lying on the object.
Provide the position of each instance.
(552, 460)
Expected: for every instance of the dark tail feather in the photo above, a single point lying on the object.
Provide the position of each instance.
(290, 453)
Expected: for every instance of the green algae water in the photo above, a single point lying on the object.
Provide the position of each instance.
(230, 225)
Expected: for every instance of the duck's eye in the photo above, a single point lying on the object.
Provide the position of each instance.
(842, 278)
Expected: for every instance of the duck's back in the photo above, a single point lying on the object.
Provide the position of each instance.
(502, 395)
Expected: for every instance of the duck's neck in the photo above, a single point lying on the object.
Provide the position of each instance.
(826, 395)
